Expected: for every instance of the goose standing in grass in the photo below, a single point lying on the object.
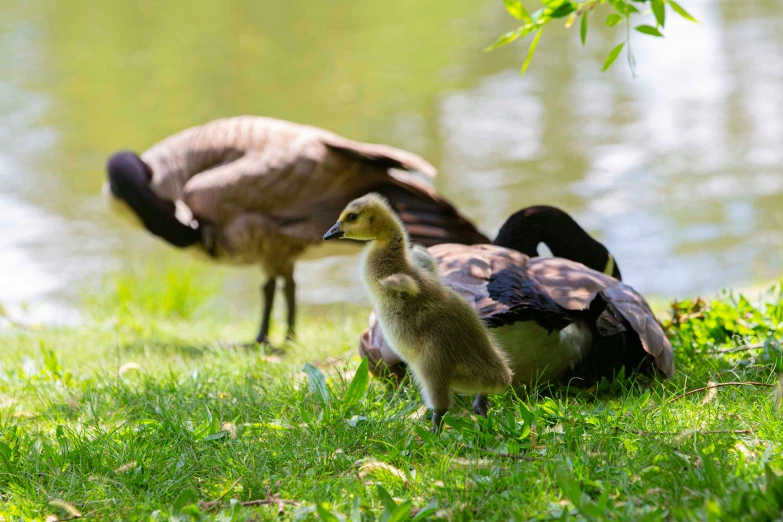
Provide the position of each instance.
(559, 321)
(428, 325)
(253, 190)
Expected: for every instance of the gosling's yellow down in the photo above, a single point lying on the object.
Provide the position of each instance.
(436, 332)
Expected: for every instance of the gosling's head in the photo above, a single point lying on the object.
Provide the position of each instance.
(367, 218)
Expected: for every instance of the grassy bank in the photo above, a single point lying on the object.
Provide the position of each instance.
(148, 411)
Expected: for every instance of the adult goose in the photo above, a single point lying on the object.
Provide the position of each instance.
(254, 190)
(559, 321)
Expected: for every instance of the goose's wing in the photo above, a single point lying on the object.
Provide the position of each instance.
(495, 281)
(625, 301)
(383, 156)
(297, 176)
(616, 307)
(428, 218)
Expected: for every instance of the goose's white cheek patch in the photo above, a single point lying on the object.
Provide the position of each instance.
(544, 250)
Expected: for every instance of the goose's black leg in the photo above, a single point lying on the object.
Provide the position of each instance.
(129, 179)
(290, 299)
(480, 405)
(268, 296)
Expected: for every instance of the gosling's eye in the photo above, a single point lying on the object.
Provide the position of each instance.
(350, 218)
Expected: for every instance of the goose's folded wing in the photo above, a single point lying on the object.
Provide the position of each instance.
(570, 284)
(634, 309)
(382, 156)
(428, 218)
(576, 287)
(495, 281)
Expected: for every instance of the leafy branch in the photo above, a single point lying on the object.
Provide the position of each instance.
(571, 10)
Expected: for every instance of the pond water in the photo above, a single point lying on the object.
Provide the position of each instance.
(679, 171)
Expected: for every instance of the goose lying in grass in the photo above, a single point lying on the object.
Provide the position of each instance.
(428, 325)
(252, 190)
(559, 321)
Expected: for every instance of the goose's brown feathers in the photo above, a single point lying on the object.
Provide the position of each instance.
(294, 179)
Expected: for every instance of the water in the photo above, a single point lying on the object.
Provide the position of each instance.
(679, 171)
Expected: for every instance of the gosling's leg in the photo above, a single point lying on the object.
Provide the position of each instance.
(439, 399)
(437, 419)
(268, 296)
(480, 405)
(290, 299)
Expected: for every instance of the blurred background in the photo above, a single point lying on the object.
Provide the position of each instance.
(679, 171)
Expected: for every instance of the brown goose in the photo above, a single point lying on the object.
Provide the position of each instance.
(559, 321)
(254, 190)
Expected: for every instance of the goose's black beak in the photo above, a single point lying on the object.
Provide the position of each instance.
(334, 232)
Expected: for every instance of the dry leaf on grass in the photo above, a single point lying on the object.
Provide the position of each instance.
(712, 392)
(378, 468)
(128, 366)
(126, 467)
(65, 506)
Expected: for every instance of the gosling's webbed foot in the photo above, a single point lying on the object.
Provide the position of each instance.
(480, 405)
(437, 419)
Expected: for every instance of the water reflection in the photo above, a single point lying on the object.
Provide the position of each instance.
(677, 171)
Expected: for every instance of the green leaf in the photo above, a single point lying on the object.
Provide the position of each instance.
(317, 383)
(517, 10)
(564, 9)
(506, 39)
(359, 384)
(613, 19)
(403, 512)
(427, 510)
(659, 10)
(613, 54)
(5, 451)
(325, 514)
(568, 486)
(531, 50)
(184, 499)
(682, 12)
(356, 512)
(215, 436)
(648, 29)
(388, 502)
(583, 28)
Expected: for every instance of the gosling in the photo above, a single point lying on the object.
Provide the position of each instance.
(435, 331)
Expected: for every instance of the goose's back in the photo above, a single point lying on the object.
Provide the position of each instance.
(231, 166)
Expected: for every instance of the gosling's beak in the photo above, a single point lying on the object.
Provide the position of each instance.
(334, 232)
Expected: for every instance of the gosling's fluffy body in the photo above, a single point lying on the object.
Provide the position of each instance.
(432, 328)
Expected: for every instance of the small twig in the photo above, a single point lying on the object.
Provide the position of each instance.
(709, 432)
(211, 504)
(740, 348)
(269, 501)
(718, 385)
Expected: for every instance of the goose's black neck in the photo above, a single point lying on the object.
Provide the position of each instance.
(129, 179)
(529, 227)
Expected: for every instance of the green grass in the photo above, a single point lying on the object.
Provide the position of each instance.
(147, 411)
